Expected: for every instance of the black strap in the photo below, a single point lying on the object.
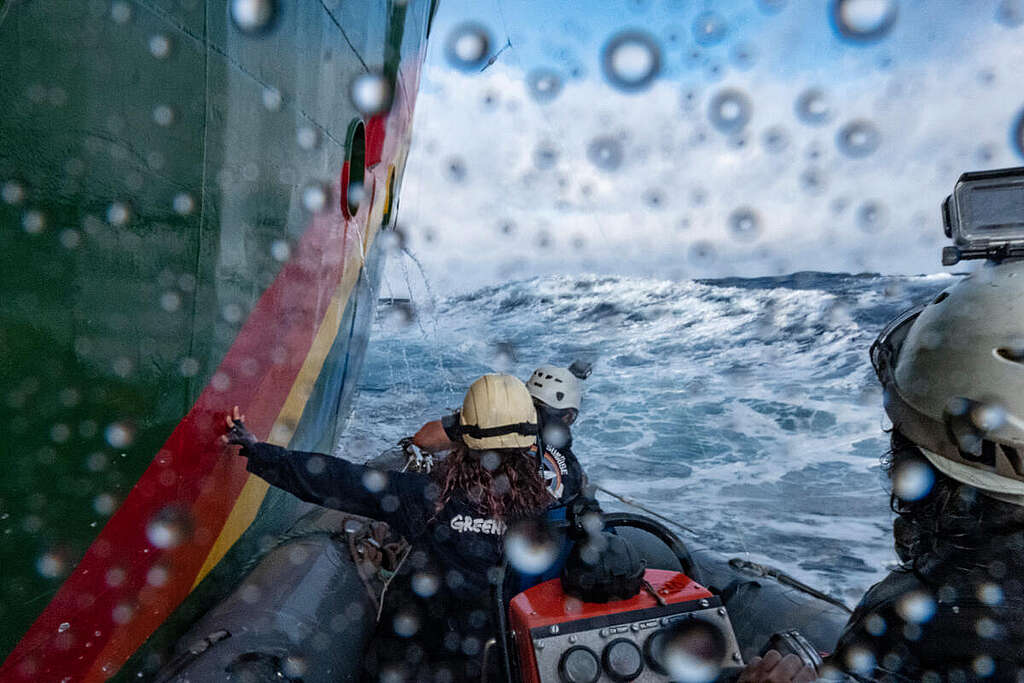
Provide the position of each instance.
(524, 428)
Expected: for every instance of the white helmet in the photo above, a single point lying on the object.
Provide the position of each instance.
(555, 387)
(498, 413)
(953, 374)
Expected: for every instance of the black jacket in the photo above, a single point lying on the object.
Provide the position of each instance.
(959, 616)
(439, 604)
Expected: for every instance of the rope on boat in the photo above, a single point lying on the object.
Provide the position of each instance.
(786, 580)
(652, 513)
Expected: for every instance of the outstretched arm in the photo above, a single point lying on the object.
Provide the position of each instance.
(398, 498)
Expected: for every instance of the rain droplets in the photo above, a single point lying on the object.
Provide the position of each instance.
(315, 197)
(169, 528)
(864, 21)
(468, 46)
(729, 110)
(605, 152)
(119, 434)
(160, 46)
(12, 192)
(530, 548)
(709, 28)
(253, 17)
(1010, 13)
(858, 138)
(371, 94)
(745, 224)
(812, 107)
(913, 480)
(544, 84)
(631, 60)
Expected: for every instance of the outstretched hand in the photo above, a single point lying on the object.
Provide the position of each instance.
(236, 434)
(774, 668)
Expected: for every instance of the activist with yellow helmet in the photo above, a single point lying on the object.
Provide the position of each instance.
(454, 519)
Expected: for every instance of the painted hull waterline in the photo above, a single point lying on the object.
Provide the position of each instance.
(191, 206)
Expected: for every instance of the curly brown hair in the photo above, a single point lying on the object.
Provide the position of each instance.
(504, 483)
(952, 519)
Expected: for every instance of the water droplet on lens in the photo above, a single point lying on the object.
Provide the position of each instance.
(743, 55)
(775, 139)
(544, 84)
(605, 152)
(280, 250)
(631, 60)
(871, 216)
(371, 94)
(184, 204)
(121, 12)
(272, 99)
(858, 138)
(916, 607)
(745, 224)
(468, 46)
(530, 548)
(545, 156)
(253, 17)
(307, 137)
(160, 46)
(913, 480)
(456, 169)
(33, 222)
(118, 213)
(729, 110)
(864, 20)
(314, 197)
(709, 28)
(693, 652)
(119, 434)
(12, 192)
(988, 416)
(104, 504)
(702, 253)
(813, 180)
(64, 626)
(52, 565)
(812, 107)
(425, 584)
(374, 480)
(1010, 13)
(169, 528)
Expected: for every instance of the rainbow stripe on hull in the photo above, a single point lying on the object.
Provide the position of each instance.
(204, 271)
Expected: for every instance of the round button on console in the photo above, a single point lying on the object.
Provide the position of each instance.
(654, 651)
(622, 660)
(579, 665)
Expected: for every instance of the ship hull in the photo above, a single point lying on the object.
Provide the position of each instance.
(191, 205)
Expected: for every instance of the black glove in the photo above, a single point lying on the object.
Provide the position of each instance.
(584, 515)
(238, 435)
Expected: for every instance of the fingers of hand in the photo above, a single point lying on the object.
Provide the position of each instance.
(806, 675)
(788, 667)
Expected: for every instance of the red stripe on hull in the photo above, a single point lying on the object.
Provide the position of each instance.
(107, 605)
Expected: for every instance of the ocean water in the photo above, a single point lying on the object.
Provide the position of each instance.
(744, 409)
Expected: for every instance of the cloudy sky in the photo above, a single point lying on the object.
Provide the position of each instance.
(776, 136)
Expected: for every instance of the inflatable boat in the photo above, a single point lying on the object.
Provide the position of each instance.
(306, 610)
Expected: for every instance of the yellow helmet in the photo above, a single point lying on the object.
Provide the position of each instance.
(498, 413)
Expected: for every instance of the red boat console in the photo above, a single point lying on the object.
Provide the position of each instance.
(559, 638)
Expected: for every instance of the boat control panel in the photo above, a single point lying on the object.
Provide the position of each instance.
(562, 640)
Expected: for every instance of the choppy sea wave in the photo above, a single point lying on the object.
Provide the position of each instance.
(745, 409)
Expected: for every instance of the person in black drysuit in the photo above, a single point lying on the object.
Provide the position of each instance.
(437, 616)
(954, 609)
(953, 375)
